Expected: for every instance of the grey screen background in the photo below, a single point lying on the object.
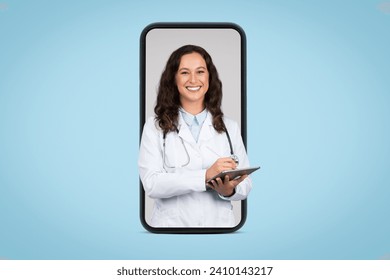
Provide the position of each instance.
(224, 46)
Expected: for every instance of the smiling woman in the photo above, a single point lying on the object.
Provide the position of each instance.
(192, 81)
(187, 143)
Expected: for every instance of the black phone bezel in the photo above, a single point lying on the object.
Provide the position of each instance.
(192, 25)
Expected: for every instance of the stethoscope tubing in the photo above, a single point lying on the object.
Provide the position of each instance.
(232, 155)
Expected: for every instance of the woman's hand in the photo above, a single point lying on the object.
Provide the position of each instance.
(221, 164)
(226, 187)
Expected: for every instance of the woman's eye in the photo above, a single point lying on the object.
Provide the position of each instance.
(184, 73)
(200, 72)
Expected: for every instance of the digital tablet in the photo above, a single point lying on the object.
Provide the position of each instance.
(233, 174)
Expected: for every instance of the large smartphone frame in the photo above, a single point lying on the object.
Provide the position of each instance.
(243, 114)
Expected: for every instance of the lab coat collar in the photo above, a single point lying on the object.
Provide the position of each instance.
(184, 131)
(207, 131)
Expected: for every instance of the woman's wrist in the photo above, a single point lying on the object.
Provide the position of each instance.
(231, 194)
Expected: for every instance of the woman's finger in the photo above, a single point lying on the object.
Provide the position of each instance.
(226, 179)
(219, 182)
(229, 165)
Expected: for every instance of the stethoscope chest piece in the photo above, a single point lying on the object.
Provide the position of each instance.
(235, 158)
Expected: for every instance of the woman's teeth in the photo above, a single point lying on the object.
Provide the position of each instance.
(193, 88)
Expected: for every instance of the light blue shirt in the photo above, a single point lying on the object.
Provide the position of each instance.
(194, 123)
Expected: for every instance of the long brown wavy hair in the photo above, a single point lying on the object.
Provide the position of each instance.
(168, 97)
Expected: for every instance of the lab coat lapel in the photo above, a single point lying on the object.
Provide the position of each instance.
(184, 131)
(207, 131)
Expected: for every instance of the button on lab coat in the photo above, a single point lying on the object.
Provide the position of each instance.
(180, 193)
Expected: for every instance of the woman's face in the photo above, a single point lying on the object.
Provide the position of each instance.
(192, 79)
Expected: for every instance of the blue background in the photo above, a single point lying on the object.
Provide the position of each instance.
(318, 124)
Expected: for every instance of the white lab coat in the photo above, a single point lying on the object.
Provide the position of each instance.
(180, 194)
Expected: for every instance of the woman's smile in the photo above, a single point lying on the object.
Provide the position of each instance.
(193, 89)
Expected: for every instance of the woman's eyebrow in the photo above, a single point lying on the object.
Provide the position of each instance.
(187, 69)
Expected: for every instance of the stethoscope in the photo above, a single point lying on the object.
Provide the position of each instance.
(232, 155)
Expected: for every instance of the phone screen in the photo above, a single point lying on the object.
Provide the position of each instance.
(226, 44)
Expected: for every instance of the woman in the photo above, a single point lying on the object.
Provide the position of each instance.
(186, 144)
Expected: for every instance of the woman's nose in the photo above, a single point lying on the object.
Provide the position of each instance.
(192, 78)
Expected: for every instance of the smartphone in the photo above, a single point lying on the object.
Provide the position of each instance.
(226, 44)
